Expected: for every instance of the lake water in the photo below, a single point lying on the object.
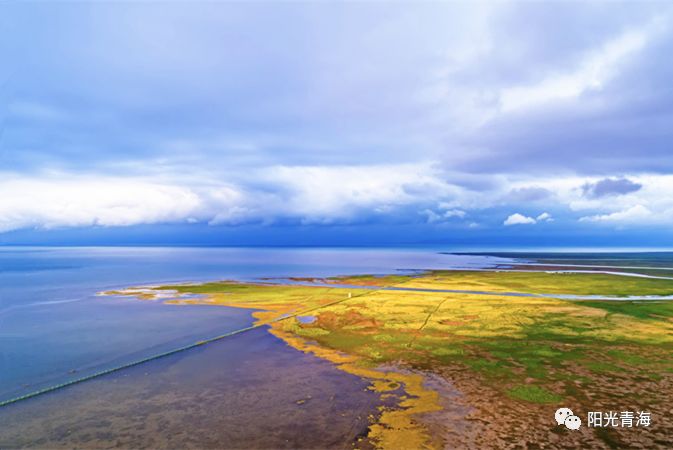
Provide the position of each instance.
(54, 328)
(249, 391)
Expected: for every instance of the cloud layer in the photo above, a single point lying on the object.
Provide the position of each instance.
(300, 195)
(230, 114)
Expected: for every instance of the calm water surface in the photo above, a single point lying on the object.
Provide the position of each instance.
(250, 391)
(53, 327)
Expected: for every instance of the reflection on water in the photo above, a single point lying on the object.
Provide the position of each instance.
(250, 391)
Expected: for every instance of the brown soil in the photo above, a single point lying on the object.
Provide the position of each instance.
(478, 416)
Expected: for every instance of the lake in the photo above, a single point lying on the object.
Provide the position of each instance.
(53, 326)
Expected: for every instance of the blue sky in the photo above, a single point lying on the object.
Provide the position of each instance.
(476, 123)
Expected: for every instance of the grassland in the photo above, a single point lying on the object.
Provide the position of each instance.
(524, 355)
(548, 283)
(518, 281)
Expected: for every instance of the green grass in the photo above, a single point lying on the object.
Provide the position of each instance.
(600, 366)
(373, 280)
(556, 283)
(629, 358)
(215, 287)
(533, 394)
(647, 309)
(518, 346)
(312, 332)
(494, 369)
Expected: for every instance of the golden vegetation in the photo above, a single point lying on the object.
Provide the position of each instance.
(529, 349)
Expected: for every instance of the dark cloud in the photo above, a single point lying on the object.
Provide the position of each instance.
(610, 186)
(528, 194)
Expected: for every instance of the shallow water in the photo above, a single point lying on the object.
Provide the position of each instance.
(54, 328)
(306, 319)
(249, 391)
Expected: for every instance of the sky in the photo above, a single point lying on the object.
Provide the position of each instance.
(480, 124)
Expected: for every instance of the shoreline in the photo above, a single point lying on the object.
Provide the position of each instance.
(400, 426)
(390, 340)
(396, 427)
(371, 349)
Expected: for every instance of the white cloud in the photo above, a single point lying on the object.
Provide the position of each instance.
(649, 205)
(434, 217)
(83, 201)
(310, 194)
(519, 219)
(323, 194)
(597, 68)
(634, 214)
(455, 213)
